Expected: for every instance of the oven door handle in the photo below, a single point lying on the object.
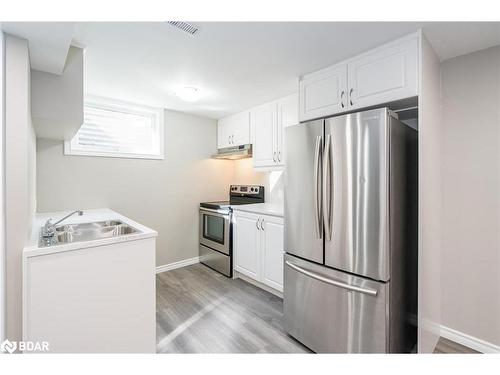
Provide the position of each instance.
(211, 210)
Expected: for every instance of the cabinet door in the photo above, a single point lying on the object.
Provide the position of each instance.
(263, 120)
(223, 136)
(288, 115)
(288, 110)
(240, 128)
(247, 245)
(386, 74)
(272, 252)
(323, 93)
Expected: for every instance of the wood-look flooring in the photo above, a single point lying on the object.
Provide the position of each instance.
(445, 346)
(201, 311)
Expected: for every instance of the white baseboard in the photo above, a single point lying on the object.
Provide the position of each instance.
(469, 341)
(249, 280)
(179, 264)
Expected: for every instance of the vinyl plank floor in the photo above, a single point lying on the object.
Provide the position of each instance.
(445, 346)
(201, 311)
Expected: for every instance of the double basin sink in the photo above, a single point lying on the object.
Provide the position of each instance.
(69, 233)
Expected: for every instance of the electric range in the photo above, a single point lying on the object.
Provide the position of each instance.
(216, 227)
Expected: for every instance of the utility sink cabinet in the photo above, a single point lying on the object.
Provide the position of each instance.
(95, 296)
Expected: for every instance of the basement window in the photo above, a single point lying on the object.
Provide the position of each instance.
(117, 129)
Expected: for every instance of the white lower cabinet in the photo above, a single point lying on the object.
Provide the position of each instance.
(258, 248)
(272, 251)
(246, 244)
(97, 299)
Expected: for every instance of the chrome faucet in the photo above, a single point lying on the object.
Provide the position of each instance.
(49, 229)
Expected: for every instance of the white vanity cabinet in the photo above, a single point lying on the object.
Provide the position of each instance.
(382, 75)
(258, 248)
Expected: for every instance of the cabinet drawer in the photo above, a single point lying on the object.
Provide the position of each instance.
(340, 317)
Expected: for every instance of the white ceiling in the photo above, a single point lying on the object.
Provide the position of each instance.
(238, 65)
(48, 42)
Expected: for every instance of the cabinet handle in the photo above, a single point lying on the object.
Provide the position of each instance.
(262, 224)
(342, 98)
(279, 156)
(232, 139)
(229, 139)
(257, 224)
(274, 156)
(350, 95)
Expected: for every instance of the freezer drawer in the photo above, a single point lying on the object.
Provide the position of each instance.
(334, 312)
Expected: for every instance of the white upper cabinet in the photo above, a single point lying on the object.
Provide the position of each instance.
(233, 130)
(288, 110)
(323, 93)
(267, 122)
(263, 121)
(223, 133)
(384, 75)
(261, 126)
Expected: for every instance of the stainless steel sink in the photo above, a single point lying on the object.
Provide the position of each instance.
(69, 233)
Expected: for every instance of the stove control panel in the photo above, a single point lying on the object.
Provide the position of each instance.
(246, 190)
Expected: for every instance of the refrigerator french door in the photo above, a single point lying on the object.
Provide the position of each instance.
(347, 232)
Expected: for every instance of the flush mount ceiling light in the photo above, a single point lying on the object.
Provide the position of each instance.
(188, 94)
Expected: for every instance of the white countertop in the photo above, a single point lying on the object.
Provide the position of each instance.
(273, 209)
(89, 216)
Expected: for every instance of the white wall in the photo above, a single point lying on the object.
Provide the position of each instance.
(57, 100)
(20, 170)
(471, 199)
(429, 200)
(163, 195)
(2, 207)
(245, 174)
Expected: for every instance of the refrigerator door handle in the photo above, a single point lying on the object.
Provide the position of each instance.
(371, 292)
(317, 187)
(327, 188)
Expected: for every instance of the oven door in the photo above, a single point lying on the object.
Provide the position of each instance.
(214, 230)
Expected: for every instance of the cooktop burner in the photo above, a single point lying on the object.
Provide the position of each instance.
(219, 205)
(238, 194)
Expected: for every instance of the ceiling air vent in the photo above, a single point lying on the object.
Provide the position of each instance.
(184, 26)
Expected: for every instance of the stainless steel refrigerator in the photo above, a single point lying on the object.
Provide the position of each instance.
(351, 233)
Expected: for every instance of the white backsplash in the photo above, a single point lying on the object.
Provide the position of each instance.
(245, 174)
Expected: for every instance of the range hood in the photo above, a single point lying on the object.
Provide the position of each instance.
(234, 153)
